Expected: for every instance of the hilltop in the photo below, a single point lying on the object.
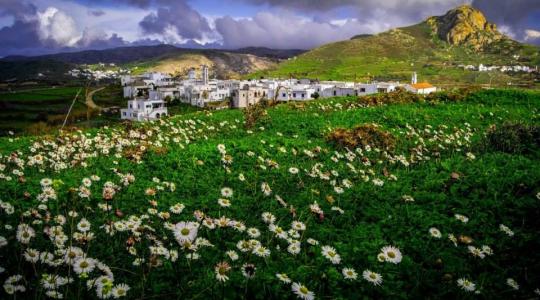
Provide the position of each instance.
(434, 48)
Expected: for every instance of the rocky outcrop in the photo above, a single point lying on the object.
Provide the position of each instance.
(466, 26)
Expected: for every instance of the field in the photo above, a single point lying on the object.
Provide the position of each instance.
(43, 109)
(438, 198)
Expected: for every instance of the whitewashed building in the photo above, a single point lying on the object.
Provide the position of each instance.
(140, 109)
(248, 94)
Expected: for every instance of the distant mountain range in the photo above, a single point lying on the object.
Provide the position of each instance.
(159, 57)
(434, 48)
(131, 54)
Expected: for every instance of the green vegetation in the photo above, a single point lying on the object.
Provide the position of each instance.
(462, 215)
(395, 54)
(20, 110)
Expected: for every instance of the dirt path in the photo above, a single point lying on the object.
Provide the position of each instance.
(90, 101)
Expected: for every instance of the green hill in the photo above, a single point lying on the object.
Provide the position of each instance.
(434, 48)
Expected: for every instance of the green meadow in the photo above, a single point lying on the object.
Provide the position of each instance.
(199, 206)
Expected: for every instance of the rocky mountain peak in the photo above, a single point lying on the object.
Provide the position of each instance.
(465, 25)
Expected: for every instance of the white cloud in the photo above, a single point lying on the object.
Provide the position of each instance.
(531, 34)
(57, 26)
(286, 30)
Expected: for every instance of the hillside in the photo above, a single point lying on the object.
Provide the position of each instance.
(438, 199)
(159, 58)
(222, 64)
(433, 48)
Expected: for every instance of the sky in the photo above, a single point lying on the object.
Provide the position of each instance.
(34, 27)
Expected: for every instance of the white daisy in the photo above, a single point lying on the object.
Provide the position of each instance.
(83, 225)
(374, 278)
(120, 290)
(302, 291)
(466, 285)
(349, 273)
(185, 232)
(232, 255)
(391, 254)
(84, 265)
(224, 202)
(434, 232)
(331, 254)
(283, 277)
(512, 283)
(226, 192)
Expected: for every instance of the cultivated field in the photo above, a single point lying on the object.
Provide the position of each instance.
(43, 109)
(382, 197)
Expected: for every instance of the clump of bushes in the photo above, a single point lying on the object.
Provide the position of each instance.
(399, 96)
(454, 95)
(513, 138)
(256, 114)
(402, 96)
(363, 135)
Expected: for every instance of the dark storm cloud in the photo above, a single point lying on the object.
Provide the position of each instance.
(26, 36)
(516, 16)
(178, 16)
(16, 8)
(22, 33)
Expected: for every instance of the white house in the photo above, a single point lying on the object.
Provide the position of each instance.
(144, 110)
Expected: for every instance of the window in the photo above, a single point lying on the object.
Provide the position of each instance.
(284, 95)
(124, 113)
(363, 90)
(335, 93)
(303, 95)
(130, 106)
(294, 95)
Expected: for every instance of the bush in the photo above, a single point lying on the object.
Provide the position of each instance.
(363, 135)
(256, 114)
(513, 138)
(399, 96)
(454, 95)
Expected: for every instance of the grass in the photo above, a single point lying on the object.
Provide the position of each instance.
(57, 93)
(181, 163)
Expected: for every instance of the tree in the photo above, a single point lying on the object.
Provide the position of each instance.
(315, 95)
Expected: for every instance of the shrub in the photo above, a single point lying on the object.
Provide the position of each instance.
(399, 96)
(363, 135)
(256, 114)
(513, 138)
(454, 95)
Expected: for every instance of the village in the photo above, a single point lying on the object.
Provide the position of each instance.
(149, 93)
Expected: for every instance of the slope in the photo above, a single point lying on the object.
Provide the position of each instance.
(434, 48)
